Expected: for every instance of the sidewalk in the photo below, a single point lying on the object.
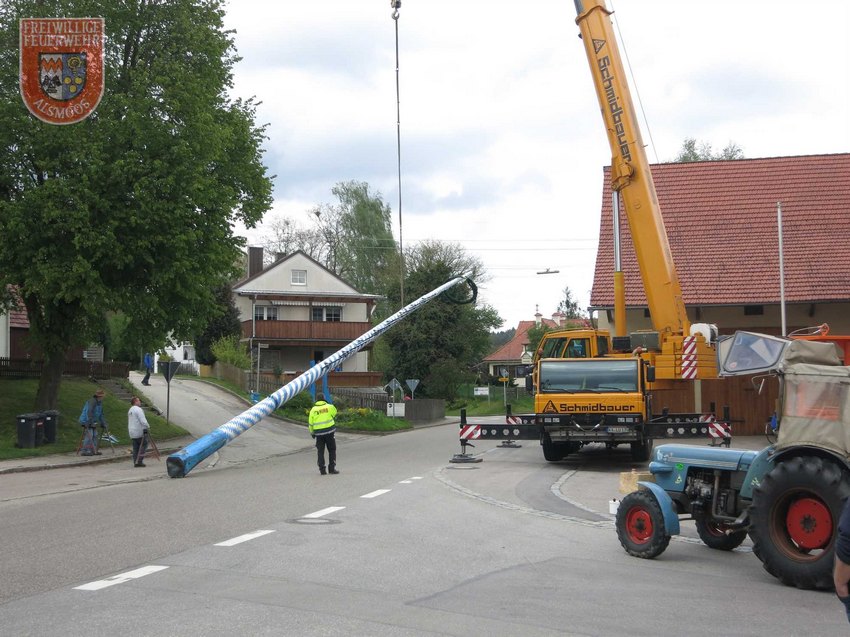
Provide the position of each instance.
(118, 453)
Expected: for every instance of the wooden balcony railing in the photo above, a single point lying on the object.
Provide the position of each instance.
(306, 330)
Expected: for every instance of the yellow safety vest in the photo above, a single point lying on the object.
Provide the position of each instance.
(321, 420)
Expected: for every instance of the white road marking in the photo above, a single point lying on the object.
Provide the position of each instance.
(375, 494)
(409, 480)
(243, 538)
(120, 579)
(318, 514)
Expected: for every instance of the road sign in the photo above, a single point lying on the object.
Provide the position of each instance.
(169, 369)
(504, 379)
(263, 345)
(413, 383)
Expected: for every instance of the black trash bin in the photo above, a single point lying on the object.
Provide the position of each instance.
(51, 423)
(30, 430)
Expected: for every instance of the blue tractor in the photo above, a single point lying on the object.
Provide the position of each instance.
(788, 497)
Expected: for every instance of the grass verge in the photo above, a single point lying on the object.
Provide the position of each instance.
(348, 418)
(484, 407)
(19, 398)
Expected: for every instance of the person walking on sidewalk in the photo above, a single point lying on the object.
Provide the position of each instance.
(91, 417)
(148, 368)
(322, 427)
(138, 428)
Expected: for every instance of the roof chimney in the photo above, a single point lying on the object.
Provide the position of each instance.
(537, 315)
(557, 317)
(255, 260)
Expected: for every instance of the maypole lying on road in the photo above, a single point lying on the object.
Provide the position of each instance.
(182, 462)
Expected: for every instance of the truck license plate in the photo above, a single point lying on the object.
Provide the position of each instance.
(617, 430)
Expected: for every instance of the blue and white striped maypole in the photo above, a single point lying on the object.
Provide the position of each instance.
(181, 463)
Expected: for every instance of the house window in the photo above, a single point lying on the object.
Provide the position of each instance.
(265, 313)
(753, 310)
(299, 277)
(332, 314)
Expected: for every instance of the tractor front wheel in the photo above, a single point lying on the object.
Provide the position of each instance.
(794, 518)
(640, 525)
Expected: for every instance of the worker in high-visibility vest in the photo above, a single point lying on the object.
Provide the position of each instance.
(322, 428)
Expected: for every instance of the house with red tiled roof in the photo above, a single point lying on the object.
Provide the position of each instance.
(722, 224)
(14, 327)
(736, 269)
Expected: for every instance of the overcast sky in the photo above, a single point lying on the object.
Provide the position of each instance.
(502, 143)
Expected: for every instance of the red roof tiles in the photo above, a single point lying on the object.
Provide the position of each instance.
(721, 223)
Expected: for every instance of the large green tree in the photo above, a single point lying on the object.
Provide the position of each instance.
(130, 210)
(353, 237)
(441, 342)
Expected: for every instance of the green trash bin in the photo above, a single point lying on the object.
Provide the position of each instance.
(51, 423)
(30, 430)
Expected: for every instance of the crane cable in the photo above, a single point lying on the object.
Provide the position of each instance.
(396, 5)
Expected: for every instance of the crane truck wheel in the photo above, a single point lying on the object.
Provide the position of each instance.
(716, 536)
(554, 451)
(640, 525)
(794, 519)
(642, 450)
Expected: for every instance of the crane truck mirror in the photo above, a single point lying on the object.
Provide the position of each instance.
(650, 373)
(529, 384)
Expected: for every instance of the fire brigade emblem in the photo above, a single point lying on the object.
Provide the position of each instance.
(63, 75)
(61, 67)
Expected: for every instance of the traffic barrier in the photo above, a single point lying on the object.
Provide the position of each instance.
(510, 419)
(182, 462)
(467, 432)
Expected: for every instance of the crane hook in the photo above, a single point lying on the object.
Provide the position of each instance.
(396, 5)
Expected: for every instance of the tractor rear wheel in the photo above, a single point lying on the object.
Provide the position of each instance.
(794, 518)
(640, 525)
(717, 536)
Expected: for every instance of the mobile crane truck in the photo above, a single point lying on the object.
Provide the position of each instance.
(788, 497)
(591, 387)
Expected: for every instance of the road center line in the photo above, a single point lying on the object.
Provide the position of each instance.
(318, 514)
(410, 480)
(120, 579)
(375, 494)
(243, 538)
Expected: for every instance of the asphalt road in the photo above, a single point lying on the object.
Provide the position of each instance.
(402, 542)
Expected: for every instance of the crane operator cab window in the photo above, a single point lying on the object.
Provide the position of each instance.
(578, 348)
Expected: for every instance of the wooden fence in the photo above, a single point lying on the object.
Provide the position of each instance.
(355, 398)
(28, 368)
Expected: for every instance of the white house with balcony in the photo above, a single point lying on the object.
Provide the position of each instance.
(296, 311)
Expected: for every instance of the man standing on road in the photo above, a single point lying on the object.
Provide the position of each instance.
(138, 428)
(148, 368)
(322, 427)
